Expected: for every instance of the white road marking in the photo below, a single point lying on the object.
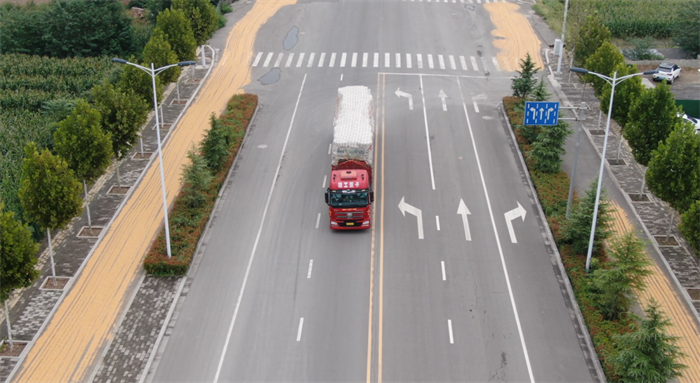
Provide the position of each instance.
(449, 327)
(498, 241)
(364, 60)
(495, 64)
(398, 60)
(311, 60)
(332, 63)
(321, 59)
(257, 239)
(452, 62)
(427, 132)
(325, 178)
(444, 276)
(387, 60)
(419, 58)
(329, 148)
(376, 60)
(289, 60)
(463, 62)
(476, 67)
(318, 219)
(311, 265)
(404, 207)
(341, 76)
(476, 107)
(257, 59)
(301, 326)
(464, 212)
(408, 60)
(437, 222)
(354, 60)
(267, 59)
(442, 62)
(518, 212)
(430, 61)
(342, 59)
(279, 60)
(301, 59)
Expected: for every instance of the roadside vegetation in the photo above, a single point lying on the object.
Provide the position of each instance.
(630, 348)
(202, 178)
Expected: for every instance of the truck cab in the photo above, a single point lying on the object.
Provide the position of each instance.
(349, 198)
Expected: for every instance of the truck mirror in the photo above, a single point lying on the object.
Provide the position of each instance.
(371, 197)
(326, 197)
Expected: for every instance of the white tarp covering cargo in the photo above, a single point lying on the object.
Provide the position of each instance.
(353, 125)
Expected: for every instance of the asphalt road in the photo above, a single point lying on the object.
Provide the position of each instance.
(429, 295)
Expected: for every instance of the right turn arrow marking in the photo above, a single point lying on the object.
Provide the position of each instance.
(518, 212)
(404, 207)
(464, 212)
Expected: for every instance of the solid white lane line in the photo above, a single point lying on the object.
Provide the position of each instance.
(437, 221)
(444, 276)
(376, 60)
(498, 240)
(289, 60)
(257, 238)
(279, 60)
(318, 219)
(321, 59)
(463, 62)
(442, 61)
(325, 178)
(343, 57)
(354, 60)
(311, 266)
(329, 148)
(449, 327)
(257, 58)
(301, 326)
(427, 132)
(301, 59)
(419, 58)
(387, 60)
(267, 59)
(452, 63)
(311, 60)
(476, 107)
(332, 63)
(408, 60)
(398, 60)
(364, 60)
(430, 61)
(476, 67)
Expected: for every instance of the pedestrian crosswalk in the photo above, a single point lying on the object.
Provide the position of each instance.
(375, 60)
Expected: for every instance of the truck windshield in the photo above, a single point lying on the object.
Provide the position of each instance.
(360, 199)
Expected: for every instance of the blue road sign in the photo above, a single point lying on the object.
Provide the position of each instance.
(541, 113)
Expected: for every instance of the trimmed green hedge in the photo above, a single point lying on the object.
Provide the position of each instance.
(187, 224)
(553, 192)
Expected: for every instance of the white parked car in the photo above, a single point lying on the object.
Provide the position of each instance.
(692, 120)
(668, 72)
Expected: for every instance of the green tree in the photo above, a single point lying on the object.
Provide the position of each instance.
(592, 34)
(577, 229)
(548, 147)
(686, 32)
(159, 52)
(613, 286)
(17, 259)
(216, 144)
(674, 169)
(202, 16)
(196, 180)
(49, 192)
(690, 226)
(652, 116)
(178, 32)
(626, 93)
(648, 354)
(604, 61)
(540, 92)
(81, 142)
(140, 83)
(524, 83)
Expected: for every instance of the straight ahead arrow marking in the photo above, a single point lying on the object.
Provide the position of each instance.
(443, 96)
(464, 212)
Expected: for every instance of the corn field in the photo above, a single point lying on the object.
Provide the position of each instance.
(639, 18)
(26, 84)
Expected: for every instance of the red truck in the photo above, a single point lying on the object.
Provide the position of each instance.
(350, 195)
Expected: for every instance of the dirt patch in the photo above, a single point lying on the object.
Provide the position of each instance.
(689, 76)
(7, 350)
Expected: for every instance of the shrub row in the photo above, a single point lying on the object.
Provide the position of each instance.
(552, 190)
(187, 222)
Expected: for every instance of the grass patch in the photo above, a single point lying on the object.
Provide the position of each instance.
(187, 223)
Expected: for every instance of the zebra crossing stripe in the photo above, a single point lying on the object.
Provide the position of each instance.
(430, 61)
(442, 62)
(279, 60)
(257, 59)
(364, 60)
(387, 60)
(301, 59)
(267, 59)
(289, 60)
(476, 67)
(376, 60)
(342, 59)
(452, 62)
(495, 64)
(321, 59)
(398, 60)
(354, 60)
(408, 60)
(419, 59)
(463, 62)
(311, 60)
(332, 63)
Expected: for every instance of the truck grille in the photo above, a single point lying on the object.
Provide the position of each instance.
(350, 215)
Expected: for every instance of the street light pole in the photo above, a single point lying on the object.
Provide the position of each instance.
(563, 32)
(613, 82)
(153, 72)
